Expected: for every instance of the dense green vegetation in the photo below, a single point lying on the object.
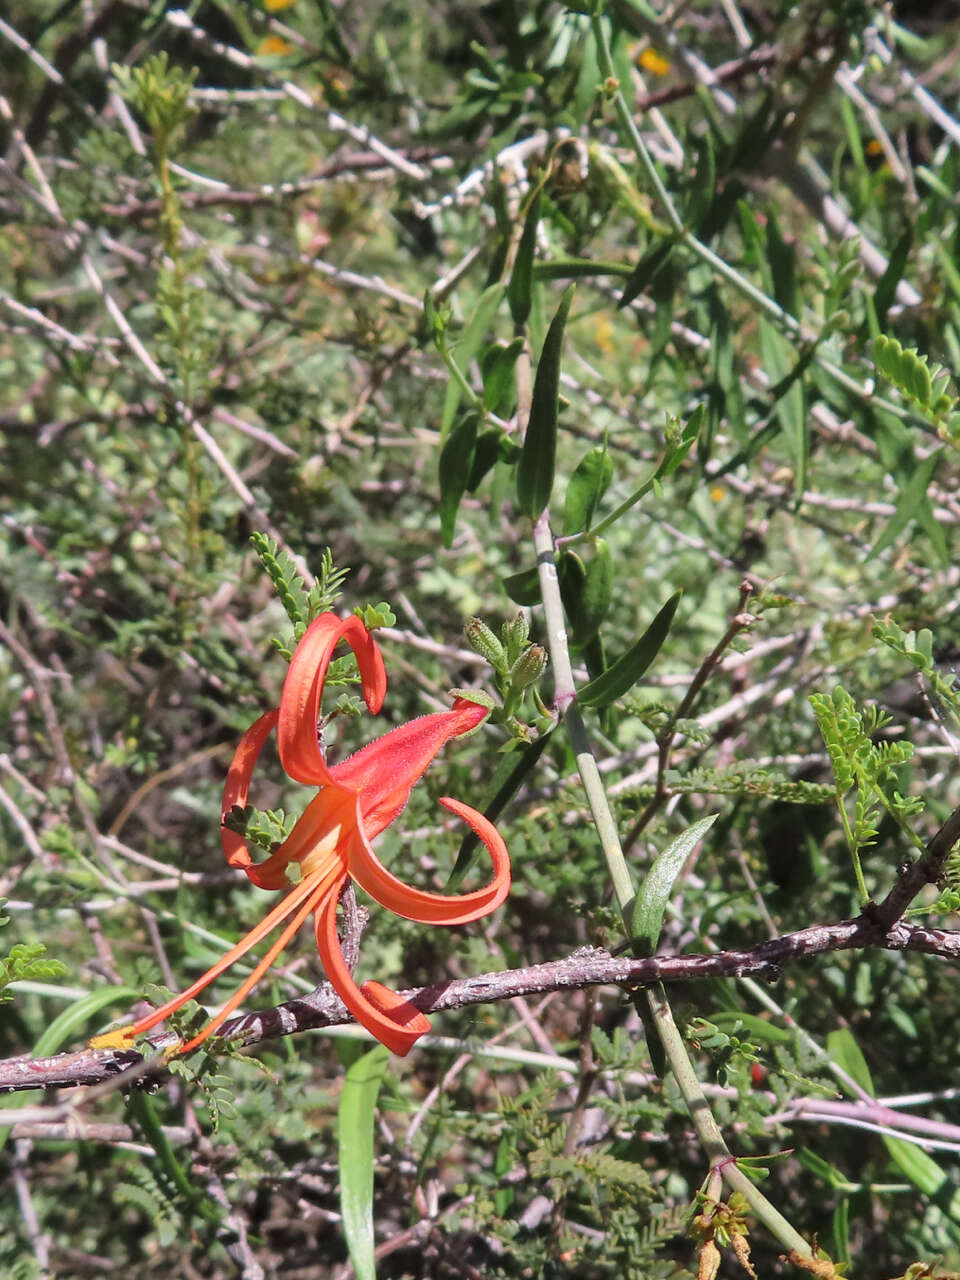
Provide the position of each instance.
(637, 321)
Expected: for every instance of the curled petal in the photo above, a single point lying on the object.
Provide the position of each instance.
(394, 1021)
(383, 772)
(235, 792)
(434, 908)
(303, 688)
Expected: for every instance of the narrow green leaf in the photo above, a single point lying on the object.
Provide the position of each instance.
(456, 465)
(758, 1029)
(627, 670)
(576, 268)
(498, 380)
(355, 1119)
(589, 482)
(654, 893)
(508, 777)
(782, 258)
(468, 345)
(597, 593)
(913, 494)
(704, 184)
(841, 1230)
(847, 1054)
(821, 1168)
(520, 288)
(523, 587)
(538, 455)
(922, 1170)
(886, 290)
(647, 269)
(145, 1115)
(789, 407)
(586, 591)
(572, 577)
(489, 451)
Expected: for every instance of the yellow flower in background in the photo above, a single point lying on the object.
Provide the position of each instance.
(603, 334)
(274, 6)
(651, 61)
(273, 47)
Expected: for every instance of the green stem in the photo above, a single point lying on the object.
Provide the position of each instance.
(458, 375)
(565, 701)
(706, 1126)
(708, 1131)
(854, 854)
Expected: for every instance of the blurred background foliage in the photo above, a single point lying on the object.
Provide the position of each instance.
(248, 265)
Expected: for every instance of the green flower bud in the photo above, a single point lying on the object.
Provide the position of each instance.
(482, 640)
(528, 668)
(515, 633)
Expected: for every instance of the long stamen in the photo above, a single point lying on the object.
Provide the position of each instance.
(270, 921)
(318, 888)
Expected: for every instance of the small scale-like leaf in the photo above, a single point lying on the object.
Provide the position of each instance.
(589, 482)
(654, 893)
(535, 469)
(627, 670)
(355, 1120)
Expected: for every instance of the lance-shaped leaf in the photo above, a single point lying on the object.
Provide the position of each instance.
(498, 379)
(508, 777)
(654, 893)
(539, 453)
(520, 288)
(355, 1118)
(586, 590)
(588, 484)
(468, 344)
(523, 587)
(627, 670)
(456, 465)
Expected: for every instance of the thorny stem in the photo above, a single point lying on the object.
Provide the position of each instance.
(740, 621)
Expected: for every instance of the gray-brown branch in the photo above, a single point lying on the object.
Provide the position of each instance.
(588, 967)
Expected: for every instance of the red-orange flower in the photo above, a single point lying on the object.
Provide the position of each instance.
(331, 841)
